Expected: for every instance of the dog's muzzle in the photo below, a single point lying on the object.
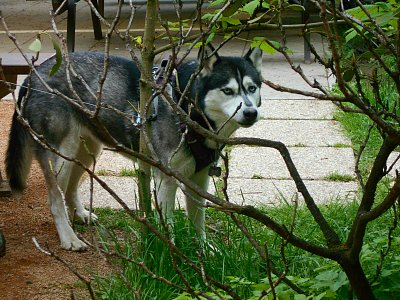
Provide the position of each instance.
(250, 116)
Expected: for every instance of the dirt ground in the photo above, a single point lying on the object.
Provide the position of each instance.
(25, 272)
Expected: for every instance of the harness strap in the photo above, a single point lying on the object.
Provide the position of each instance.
(202, 154)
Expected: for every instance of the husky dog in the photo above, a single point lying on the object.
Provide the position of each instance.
(227, 93)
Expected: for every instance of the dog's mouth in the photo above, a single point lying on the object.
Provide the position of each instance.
(247, 123)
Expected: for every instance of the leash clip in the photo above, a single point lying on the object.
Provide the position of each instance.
(137, 119)
(214, 171)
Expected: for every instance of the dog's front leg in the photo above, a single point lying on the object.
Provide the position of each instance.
(166, 193)
(195, 203)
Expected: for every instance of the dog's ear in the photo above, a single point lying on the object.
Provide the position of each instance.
(254, 55)
(209, 57)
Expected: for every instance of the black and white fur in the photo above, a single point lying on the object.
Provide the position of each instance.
(227, 90)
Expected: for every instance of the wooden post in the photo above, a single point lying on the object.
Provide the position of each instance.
(5, 190)
(71, 20)
(305, 18)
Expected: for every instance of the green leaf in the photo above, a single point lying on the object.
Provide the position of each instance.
(259, 41)
(183, 296)
(267, 47)
(264, 46)
(198, 45)
(295, 7)
(228, 35)
(339, 282)
(384, 20)
(319, 297)
(266, 5)
(36, 45)
(138, 40)
(384, 6)
(327, 276)
(330, 294)
(207, 16)
(251, 7)
(261, 286)
(351, 34)
(386, 273)
(231, 21)
(216, 3)
(300, 297)
(210, 38)
(374, 11)
(57, 65)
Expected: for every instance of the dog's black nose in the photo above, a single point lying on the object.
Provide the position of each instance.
(250, 114)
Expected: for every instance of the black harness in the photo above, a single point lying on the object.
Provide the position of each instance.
(203, 155)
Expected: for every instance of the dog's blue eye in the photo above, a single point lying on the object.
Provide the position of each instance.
(252, 89)
(227, 91)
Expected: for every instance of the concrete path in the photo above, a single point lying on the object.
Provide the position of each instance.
(258, 175)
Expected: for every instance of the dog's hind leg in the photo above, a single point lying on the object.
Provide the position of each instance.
(195, 203)
(57, 172)
(87, 152)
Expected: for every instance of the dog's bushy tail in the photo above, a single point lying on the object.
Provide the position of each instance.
(18, 156)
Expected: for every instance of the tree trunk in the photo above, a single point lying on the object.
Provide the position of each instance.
(358, 280)
(145, 94)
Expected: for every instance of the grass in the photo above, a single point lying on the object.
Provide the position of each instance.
(356, 125)
(128, 172)
(124, 172)
(341, 145)
(337, 177)
(157, 257)
(102, 172)
(356, 128)
(299, 145)
(257, 176)
(236, 262)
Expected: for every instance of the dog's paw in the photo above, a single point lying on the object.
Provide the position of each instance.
(213, 249)
(84, 215)
(74, 244)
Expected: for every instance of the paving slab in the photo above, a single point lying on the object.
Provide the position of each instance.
(112, 162)
(393, 164)
(311, 162)
(297, 109)
(311, 133)
(124, 187)
(262, 192)
(279, 72)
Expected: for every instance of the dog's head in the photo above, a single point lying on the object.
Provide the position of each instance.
(229, 89)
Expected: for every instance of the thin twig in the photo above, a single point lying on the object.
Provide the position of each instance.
(51, 253)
